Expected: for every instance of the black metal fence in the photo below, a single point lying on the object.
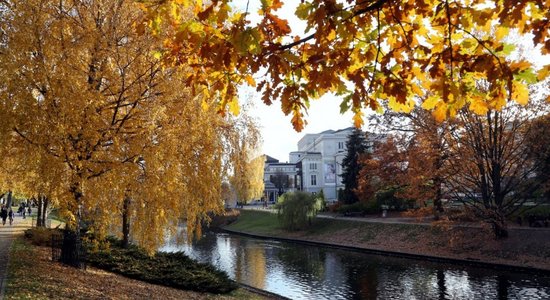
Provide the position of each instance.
(67, 248)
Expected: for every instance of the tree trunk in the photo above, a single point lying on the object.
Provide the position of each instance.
(8, 204)
(71, 251)
(39, 221)
(126, 222)
(500, 228)
(45, 203)
(438, 205)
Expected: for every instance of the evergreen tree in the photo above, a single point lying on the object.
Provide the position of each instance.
(356, 145)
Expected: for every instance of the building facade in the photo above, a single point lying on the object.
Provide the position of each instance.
(319, 161)
(317, 165)
(279, 178)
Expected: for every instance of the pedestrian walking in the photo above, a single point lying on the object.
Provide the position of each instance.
(4, 214)
(10, 216)
(29, 210)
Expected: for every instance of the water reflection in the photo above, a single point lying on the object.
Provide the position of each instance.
(309, 272)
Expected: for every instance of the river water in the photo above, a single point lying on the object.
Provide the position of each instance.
(300, 271)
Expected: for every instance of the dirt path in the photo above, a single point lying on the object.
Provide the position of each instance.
(7, 234)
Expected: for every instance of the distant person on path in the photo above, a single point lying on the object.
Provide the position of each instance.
(4, 214)
(29, 210)
(10, 216)
(24, 213)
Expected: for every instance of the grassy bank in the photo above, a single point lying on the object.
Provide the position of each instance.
(524, 247)
(32, 275)
(265, 223)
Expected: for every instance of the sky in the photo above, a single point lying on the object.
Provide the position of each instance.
(279, 137)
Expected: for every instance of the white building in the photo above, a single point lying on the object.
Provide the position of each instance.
(316, 166)
(319, 161)
(278, 178)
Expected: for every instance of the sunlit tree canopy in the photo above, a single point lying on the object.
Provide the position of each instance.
(368, 53)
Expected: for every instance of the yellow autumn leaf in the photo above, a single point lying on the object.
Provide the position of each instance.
(478, 106)
(417, 90)
(234, 106)
(358, 119)
(430, 102)
(250, 80)
(331, 36)
(520, 93)
(440, 112)
(395, 105)
(543, 73)
(501, 32)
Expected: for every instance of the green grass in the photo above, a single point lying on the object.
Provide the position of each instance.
(258, 222)
(266, 223)
(54, 215)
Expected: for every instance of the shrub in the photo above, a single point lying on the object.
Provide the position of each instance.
(464, 214)
(334, 207)
(169, 269)
(41, 236)
(536, 211)
(296, 209)
(229, 216)
(363, 208)
(420, 213)
(388, 197)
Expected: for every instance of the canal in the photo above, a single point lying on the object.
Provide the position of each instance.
(299, 271)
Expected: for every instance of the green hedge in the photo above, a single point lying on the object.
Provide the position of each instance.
(360, 207)
(169, 269)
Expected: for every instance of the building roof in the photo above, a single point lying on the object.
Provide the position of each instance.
(270, 160)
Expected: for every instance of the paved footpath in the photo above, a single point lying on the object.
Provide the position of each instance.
(7, 235)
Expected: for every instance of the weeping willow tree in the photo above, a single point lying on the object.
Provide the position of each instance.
(247, 164)
(93, 120)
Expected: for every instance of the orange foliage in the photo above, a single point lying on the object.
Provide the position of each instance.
(369, 52)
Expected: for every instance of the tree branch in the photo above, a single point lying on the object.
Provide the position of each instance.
(374, 6)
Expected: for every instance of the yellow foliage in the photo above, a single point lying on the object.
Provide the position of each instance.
(96, 118)
(379, 49)
(478, 106)
(521, 93)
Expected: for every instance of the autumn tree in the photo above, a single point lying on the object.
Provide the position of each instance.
(281, 181)
(383, 169)
(247, 165)
(366, 52)
(425, 141)
(538, 147)
(490, 165)
(111, 130)
(356, 146)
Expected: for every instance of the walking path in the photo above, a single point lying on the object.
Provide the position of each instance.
(7, 234)
(395, 220)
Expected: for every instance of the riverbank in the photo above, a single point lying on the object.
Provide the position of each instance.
(525, 247)
(33, 275)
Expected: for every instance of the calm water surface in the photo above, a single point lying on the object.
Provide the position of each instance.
(310, 272)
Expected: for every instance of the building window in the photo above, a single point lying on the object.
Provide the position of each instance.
(313, 166)
(313, 179)
(340, 145)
